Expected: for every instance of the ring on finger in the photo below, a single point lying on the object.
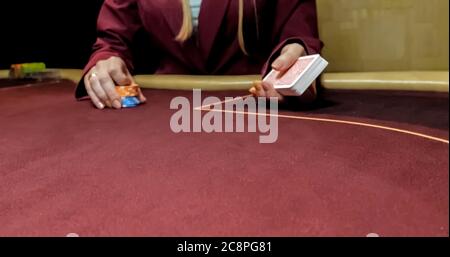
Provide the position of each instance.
(93, 75)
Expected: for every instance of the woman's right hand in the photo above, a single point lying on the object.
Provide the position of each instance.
(101, 80)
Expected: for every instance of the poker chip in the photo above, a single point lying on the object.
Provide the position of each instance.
(130, 102)
(125, 91)
(129, 95)
(26, 70)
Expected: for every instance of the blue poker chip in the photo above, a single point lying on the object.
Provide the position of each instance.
(130, 101)
(129, 105)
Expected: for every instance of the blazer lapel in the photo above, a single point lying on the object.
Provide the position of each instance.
(211, 16)
(173, 14)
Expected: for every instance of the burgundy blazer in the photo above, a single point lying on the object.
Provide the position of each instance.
(268, 26)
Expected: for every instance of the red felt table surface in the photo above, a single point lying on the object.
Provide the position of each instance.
(66, 167)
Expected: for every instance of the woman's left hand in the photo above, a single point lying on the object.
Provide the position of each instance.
(287, 58)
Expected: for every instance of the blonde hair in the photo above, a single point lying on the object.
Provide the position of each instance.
(187, 27)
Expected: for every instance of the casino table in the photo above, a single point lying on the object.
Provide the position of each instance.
(357, 162)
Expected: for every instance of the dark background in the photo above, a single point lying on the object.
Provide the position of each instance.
(59, 33)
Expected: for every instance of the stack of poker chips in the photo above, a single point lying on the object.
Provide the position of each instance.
(36, 70)
(129, 95)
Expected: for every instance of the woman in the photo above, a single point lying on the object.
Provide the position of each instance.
(226, 37)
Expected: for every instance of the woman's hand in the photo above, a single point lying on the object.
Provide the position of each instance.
(287, 58)
(264, 89)
(101, 80)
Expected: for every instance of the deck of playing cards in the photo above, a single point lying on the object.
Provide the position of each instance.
(296, 80)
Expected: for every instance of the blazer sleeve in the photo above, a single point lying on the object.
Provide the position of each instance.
(295, 22)
(117, 24)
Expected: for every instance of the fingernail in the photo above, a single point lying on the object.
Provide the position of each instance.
(252, 90)
(117, 104)
(125, 82)
(276, 65)
(100, 105)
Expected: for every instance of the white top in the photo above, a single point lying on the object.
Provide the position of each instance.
(195, 9)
